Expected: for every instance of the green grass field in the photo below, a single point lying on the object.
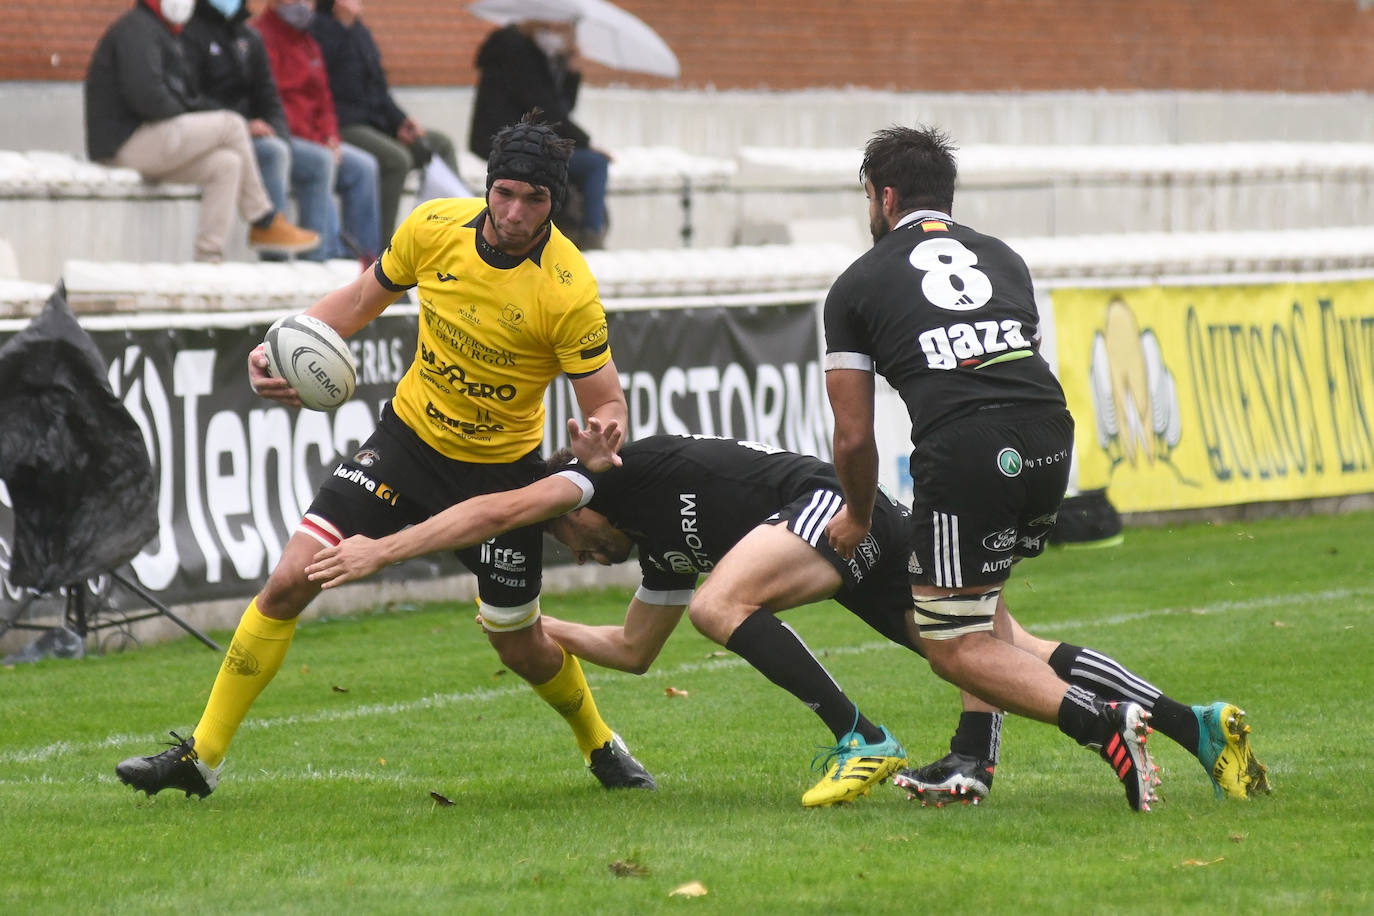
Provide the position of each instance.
(325, 805)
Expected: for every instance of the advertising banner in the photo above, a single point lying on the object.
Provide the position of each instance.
(234, 473)
(1193, 396)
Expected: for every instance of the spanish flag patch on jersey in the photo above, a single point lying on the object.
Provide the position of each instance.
(933, 225)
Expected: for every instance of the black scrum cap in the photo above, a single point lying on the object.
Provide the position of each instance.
(531, 152)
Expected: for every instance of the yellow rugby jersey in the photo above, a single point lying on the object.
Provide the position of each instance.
(491, 339)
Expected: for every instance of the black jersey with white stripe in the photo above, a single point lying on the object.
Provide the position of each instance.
(947, 315)
(686, 500)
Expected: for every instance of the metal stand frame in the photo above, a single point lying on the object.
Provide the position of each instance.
(87, 613)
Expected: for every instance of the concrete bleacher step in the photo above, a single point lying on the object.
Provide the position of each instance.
(657, 196)
(101, 287)
(663, 198)
(1073, 189)
(649, 278)
(1147, 255)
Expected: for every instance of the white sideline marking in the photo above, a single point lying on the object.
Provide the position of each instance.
(446, 700)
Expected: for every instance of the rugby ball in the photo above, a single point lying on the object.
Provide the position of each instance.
(313, 358)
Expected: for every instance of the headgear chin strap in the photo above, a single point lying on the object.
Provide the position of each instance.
(533, 153)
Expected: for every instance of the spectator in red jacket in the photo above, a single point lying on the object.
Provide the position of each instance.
(303, 84)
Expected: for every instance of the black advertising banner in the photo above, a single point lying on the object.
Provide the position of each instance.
(234, 473)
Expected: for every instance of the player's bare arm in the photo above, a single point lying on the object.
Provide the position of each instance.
(602, 402)
(347, 310)
(463, 525)
(631, 647)
(855, 455)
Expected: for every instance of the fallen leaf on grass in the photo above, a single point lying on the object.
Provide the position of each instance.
(1278, 623)
(337, 689)
(719, 653)
(381, 761)
(1238, 837)
(305, 669)
(622, 869)
(440, 800)
(1202, 864)
(675, 692)
(500, 673)
(690, 889)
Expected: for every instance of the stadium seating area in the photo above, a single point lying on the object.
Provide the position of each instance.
(641, 278)
(663, 198)
(1118, 195)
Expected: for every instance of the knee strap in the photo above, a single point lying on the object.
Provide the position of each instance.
(952, 616)
(509, 619)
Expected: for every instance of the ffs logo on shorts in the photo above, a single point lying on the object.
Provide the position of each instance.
(1009, 462)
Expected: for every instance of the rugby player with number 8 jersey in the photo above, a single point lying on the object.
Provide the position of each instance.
(947, 316)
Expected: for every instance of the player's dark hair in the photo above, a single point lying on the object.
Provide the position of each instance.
(558, 461)
(916, 162)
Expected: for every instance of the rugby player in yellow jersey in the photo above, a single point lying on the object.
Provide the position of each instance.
(506, 305)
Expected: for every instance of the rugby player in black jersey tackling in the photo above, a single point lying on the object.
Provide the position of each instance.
(752, 516)
(749, 514)
(947, 316)
(467, 418)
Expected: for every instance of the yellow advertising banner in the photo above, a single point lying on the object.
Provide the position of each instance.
(1193, 396)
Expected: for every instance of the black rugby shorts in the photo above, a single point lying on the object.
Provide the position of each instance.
(987, 493)
(874, 584)
(395, 479)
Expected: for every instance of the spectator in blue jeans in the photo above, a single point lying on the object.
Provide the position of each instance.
(303, 84)
(229, 65)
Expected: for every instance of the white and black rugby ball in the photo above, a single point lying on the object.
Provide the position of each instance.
(313, 359)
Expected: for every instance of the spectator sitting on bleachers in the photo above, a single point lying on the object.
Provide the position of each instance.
(230, 68)
(303, 85)
(142, 113)
(535, 64)
(368, 116)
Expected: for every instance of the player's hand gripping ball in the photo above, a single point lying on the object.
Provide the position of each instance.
(313, 359)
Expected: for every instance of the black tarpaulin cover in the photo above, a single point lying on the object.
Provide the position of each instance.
(71, 456)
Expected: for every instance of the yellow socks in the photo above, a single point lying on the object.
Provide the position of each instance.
(259, 645)
(569, 694)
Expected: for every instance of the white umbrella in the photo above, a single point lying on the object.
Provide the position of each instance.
(606, 33)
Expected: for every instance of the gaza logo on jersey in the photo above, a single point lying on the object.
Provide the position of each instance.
(950, 281)
(963, 344)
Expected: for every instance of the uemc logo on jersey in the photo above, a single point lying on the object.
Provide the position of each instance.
(965, 344)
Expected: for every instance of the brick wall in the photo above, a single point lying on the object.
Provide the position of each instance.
(934, 45)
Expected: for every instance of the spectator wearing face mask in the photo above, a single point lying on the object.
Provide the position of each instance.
(230, 67)
(369, 117)
(142, 112)
(303, 84)
(535, 64)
